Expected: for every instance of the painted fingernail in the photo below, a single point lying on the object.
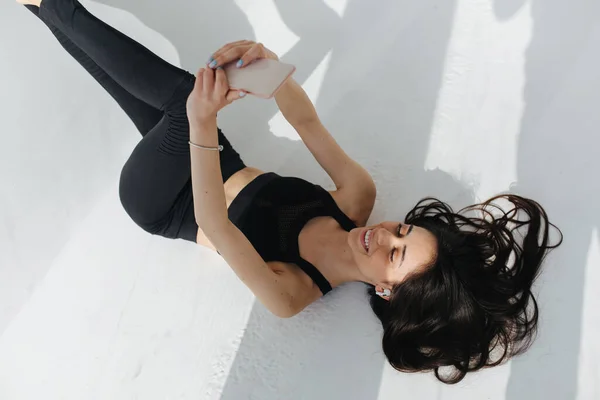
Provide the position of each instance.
(213, 64)
(219, 67)
(239, 63)
(242, 94)
(210, 59)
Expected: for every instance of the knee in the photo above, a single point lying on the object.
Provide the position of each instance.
(178, 99)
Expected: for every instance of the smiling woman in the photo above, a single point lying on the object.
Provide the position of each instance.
(468, 305)
(447, 288)
(389, 252)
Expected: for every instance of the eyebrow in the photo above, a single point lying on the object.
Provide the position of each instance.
(403, 255)
(404, 250)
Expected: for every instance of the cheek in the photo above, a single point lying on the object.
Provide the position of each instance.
(377, 267)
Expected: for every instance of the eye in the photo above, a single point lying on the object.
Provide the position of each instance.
(392, 253)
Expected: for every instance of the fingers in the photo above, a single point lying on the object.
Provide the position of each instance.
(222, 87)
(230, 52)
(199, 85)
(221, 84)
(234, 95)
(214, 82)
(228, 46)
(233, 54)
(255, 52)
(208, 80)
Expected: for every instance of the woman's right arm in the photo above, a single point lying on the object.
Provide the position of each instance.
(282, 293)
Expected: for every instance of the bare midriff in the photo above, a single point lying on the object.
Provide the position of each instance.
(234, 185)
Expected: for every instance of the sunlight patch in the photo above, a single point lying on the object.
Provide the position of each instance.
(278, 125)
(339, 6)
(589, 368)
(269, 27)
(480, 106)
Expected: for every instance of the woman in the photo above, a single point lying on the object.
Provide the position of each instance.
(448, 288)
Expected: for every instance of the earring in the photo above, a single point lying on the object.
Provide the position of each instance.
(386, 292)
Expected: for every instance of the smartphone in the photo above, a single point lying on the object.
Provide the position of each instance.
(262, 78)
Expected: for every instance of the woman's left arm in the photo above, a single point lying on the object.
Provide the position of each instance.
(282, 293)
(356, 190)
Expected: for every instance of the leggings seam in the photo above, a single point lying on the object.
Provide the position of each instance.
(177, 134)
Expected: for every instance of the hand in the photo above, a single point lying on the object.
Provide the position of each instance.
(244, 51)
(211, 93)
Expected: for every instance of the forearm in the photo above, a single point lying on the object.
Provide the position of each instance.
(210, 206)
(294, 104)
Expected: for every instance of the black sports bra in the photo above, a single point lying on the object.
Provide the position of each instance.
(272, 210)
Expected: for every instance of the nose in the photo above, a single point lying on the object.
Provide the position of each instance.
(384, 237)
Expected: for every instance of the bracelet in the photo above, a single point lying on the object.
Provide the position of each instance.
(218, 148)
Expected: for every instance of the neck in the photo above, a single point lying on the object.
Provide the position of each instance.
(332, 255)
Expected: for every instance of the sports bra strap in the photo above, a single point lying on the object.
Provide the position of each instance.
(345, 222)
(315, 275)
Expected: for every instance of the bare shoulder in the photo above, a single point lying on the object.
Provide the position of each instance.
(356, 204)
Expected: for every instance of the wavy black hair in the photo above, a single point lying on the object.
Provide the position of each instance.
(472, 307)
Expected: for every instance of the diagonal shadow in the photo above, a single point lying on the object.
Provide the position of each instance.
(378, 99)
(557, 145)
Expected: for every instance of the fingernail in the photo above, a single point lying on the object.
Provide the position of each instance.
(213, 64)
(239, 63)
(219, 67)
(242, 94)
(210, 59)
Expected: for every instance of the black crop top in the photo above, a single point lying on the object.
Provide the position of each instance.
(272, 210)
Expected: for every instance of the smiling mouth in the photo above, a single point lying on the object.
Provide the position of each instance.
(365, 239)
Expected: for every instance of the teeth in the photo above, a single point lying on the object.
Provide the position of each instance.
(367, 236)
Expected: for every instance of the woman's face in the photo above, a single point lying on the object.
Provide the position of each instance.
(388, 252)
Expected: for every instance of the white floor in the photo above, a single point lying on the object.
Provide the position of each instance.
(460, 99)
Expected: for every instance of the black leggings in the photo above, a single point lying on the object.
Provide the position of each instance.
(155, 185)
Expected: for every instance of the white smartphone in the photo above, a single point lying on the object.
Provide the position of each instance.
(262, 78)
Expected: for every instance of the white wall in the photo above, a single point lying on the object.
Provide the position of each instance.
(459, 99)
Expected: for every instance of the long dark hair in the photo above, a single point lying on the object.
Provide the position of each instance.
(473, 306)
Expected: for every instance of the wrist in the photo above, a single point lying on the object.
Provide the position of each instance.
(203, 123)
(285, 89)
(203, 129)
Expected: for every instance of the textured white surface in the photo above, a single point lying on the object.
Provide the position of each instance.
(459, 99)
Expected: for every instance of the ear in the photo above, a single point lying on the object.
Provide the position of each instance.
(383, 292)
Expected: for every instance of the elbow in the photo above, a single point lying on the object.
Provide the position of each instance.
(285, 313)
(210, 219)
(368, 188)
(213, 234)
(285, 309)
(371, 190)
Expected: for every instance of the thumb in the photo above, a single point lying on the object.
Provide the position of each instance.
(234, 95)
